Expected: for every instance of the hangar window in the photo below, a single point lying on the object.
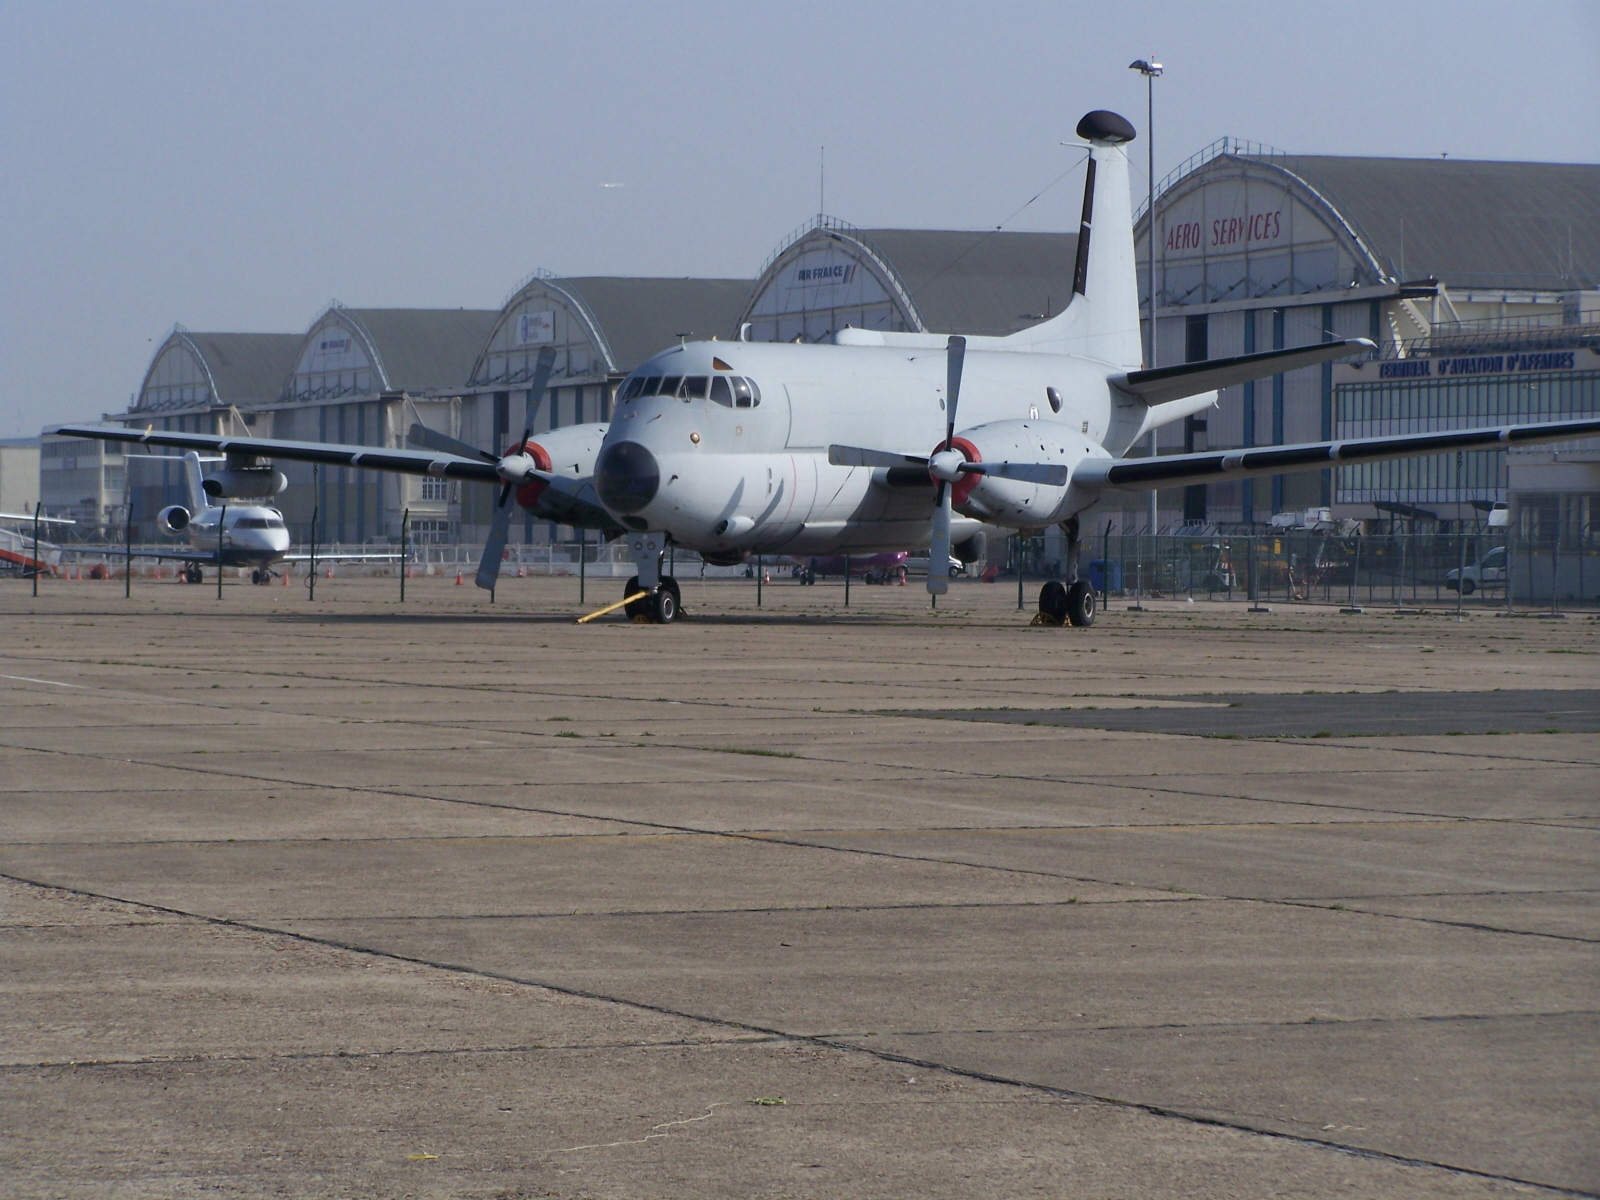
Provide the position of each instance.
(694, 387)
(721, 392)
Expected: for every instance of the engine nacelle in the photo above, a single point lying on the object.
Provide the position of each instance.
(570, 451)
(1016, 503)
(173, 519)
(244, 483)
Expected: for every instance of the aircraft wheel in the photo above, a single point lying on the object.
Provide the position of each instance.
(1468, 587)
(1053, 602)
(193, 574)
(671, 584)
(664, 605)
(1080, 604)
(635, 608)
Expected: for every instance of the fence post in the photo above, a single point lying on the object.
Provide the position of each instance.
(405, 551)
(127, 550)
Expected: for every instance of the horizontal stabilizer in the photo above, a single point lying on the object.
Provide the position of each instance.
(1174, 470)
(1161, 384)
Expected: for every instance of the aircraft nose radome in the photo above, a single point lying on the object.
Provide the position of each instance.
(627, 477)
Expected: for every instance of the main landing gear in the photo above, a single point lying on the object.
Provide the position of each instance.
(191, 573)
(260, 576)
(1071, 602)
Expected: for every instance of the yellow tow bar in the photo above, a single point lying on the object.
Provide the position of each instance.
(600, 612)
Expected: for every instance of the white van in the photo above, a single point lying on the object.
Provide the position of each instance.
(1488, 571)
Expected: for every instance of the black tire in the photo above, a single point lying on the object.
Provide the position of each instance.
(1081, 604)
(1468, 587)
(1053, 602)
(635, 608)
(667, 581)
(664, 605)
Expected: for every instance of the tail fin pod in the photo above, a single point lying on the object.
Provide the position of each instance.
(1102, 320)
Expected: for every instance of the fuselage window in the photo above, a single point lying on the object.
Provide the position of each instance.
(721, 392)
(670, 385)
(694, 387)
(742, 396)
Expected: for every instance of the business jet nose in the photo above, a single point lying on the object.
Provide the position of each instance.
(627, 476)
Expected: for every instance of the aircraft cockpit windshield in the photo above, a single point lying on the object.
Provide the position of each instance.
(730, 391)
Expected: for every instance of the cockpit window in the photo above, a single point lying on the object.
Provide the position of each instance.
(633, 388)
(669, 385)
(721, 392)
(652, 385)
(745, 392)
(694, 387)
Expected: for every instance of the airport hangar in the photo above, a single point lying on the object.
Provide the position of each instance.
(1489, 271)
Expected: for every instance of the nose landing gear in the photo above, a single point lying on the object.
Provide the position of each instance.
(260, 576)
(660, 605)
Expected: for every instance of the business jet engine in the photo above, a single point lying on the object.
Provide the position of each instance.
(1019, 473)
(174, 518)
(244, 483)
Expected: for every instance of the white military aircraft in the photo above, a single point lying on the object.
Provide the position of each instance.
(893, 441)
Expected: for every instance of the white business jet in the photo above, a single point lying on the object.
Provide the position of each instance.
(231, 534)
(898, 441)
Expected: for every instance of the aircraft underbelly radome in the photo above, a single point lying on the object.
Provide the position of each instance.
(759, 479)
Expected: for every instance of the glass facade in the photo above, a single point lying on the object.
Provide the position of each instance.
(1390, 407)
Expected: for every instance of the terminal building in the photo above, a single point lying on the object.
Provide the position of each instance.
(1464, 273)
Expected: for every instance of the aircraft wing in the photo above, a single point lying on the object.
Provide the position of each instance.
(1173, 470)
(175, 554)
(343, 557)
(377, 458)
(30, 518)
(1161, 384)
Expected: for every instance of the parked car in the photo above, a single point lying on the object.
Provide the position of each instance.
(1488, 571)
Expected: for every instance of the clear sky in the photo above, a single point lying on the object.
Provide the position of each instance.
(235, 166)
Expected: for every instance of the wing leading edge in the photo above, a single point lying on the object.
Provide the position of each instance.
(1174, 470)
(408, 462)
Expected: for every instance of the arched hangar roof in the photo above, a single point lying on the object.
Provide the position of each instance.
(204, 370)
(830, 274)
(601, 325)
(364, 350)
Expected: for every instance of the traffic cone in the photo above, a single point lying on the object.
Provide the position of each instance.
(329, 575)
(286, 572)
(766, 577)
(521, 574)
(458, 578)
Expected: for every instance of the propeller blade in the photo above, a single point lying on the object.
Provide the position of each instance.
(955, 360)
(432, 439)
(939, 548)
(495, 546)
(1050, 473)
(859, 456)
(541, 376)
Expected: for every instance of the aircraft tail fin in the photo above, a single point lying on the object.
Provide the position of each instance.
(194, 483)
(1101, 321)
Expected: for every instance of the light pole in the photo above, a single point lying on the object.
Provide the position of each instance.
(1150, 70)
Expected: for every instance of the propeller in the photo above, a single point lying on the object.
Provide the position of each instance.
(515, 468)
(945, 467)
